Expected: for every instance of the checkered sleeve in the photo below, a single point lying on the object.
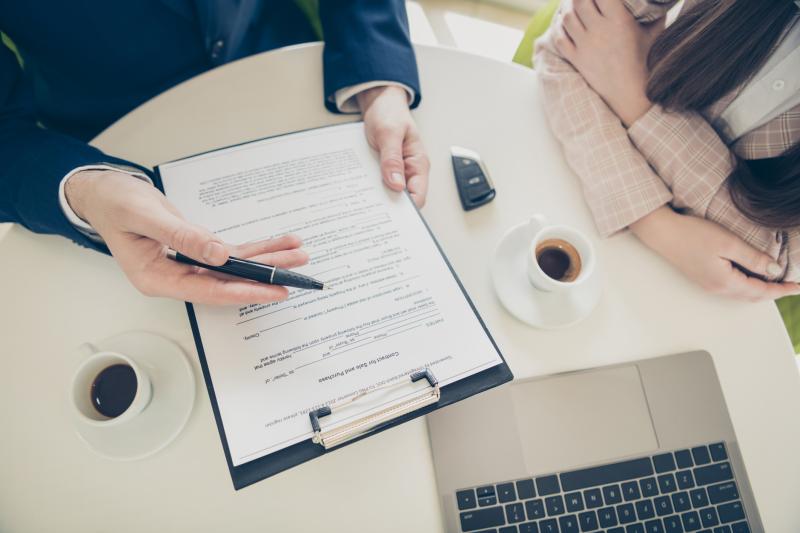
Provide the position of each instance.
(687, 154)
(619, 185)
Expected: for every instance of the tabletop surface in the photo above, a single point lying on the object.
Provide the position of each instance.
(57, 296)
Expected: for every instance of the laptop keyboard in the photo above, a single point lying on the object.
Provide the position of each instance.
(686, 490)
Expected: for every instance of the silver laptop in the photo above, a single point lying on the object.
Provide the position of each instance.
(644, 447)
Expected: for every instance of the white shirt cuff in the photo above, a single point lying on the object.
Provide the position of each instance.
(346, 98)
(80, 224)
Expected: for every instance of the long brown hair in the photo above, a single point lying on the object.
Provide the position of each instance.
(711, 49)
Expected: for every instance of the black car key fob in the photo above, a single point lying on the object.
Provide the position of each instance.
(475, 188)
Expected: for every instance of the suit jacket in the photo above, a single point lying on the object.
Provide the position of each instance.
(88, 63)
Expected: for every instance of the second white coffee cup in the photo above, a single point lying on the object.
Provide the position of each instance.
(542, 231)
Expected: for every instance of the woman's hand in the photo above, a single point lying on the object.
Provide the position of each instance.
(392, 132)
(602, 40)
(712, 256)
(138, 224)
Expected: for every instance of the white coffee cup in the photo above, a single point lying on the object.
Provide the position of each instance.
(84, 377)
(541, 231)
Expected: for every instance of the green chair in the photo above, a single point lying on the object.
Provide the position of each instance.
(790, 311)
(536, 28)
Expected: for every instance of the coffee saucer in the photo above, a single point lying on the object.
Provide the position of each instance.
(541, 309)
(163, 418)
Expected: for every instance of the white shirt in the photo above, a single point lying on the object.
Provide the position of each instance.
(345, 102)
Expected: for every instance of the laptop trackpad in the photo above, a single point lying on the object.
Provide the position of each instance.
(578, 419)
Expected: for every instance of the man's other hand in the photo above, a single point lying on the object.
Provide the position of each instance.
(392, 132)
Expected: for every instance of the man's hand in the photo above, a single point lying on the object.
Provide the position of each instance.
(138, 224)
(712, 256)
(392, 132)
(602, 40)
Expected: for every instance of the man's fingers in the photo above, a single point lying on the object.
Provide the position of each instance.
(189, 239)
(390, 148)
(283, 259)
(753, 260)
(212, 290)
(250, 249)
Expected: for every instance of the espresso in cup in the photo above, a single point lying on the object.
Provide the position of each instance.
(109, 388)
(113, 390)
(558, 259)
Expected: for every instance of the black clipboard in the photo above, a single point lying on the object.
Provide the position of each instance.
(269, 465)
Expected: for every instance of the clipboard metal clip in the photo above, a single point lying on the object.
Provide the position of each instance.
(337, 435)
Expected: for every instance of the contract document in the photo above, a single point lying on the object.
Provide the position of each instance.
(394, 306)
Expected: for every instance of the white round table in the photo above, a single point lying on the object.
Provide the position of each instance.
(57, 296)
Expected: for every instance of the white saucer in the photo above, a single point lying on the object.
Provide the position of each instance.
(164, 417)
(541, 309)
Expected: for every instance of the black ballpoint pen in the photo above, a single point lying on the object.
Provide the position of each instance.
(242, 268)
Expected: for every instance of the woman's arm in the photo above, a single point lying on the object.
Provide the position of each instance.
(594, 85)
(619, 184)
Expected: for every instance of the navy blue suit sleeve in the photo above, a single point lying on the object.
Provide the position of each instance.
(366, 40)
(33, 160)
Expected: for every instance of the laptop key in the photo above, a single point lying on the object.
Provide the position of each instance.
(630, 491)
(666, 483)
(548, 526)
(482, 519)
(730, 512)
(649, 487)
(713, 473)
(691, 521)
(708, 517)
(508, 529)
(547, 485)
(605, 474)
(486, 501)
(698, 497)
(740, 527)
(681, 502)
(607, 517)
(644, 510)
(663, 505)
(664, 462)
(612, 495)
(554, 505)
(534, 509)
(616, 530)
(653, 526)
(525, 489)
(485, 491)
(672, 524)
(724, 492)
(515, 513)
(700, 455)
(722, 529)
(528, 527)
(685, 479)
(683, 458)
(574, 502)
(506, 492)
(593, 498)
(588, 521)
(718, 451)
(569, 524)
(466, 499)
(635, 528)
(626, 513)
